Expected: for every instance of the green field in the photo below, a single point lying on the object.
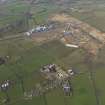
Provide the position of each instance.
(26, 57)
(32, 58)
(12, 12)
(15, 13)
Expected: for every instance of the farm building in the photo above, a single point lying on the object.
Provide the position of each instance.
(40, 28)
(5, 85)
(67, 88)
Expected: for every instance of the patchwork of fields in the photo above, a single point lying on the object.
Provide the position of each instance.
(26, 57)
(27, 61)
(20, 16)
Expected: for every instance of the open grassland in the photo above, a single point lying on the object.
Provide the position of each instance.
(12, 12)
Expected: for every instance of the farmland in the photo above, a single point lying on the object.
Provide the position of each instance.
(15, 17)
(33, 57)
(25, 57)
(37, 56)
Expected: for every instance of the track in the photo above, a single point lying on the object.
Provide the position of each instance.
(12, 37)
(95, 88)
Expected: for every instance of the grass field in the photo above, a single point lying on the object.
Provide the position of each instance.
(12, 12)
(101, 85)
(32, 58)
(13, 15)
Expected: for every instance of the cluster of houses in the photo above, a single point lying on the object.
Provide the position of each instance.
(59, 78)
(40, 28)
(52, 71)
(56, 72)
(5, 85)
(56, 78)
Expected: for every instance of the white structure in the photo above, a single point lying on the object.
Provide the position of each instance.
(5, 84)
(70, 72)
(71, 45)
(28, 33)
(41, 28)
(38, 29)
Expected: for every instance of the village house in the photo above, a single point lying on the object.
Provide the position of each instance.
(5, 85)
